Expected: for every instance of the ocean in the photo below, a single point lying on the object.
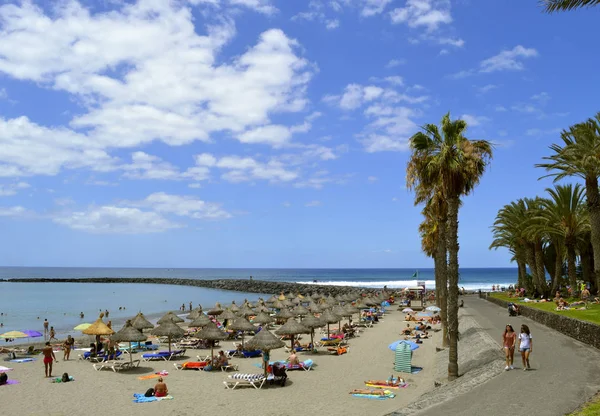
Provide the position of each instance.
(24, 306)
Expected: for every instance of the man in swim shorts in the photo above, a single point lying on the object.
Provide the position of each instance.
(49, 357)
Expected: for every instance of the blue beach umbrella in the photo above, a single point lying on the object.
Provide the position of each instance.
(424, 314)
(413, 346)
(433, 308)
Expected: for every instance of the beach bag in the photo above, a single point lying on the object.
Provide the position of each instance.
(149, 392)
(3, 378)
(65, 378)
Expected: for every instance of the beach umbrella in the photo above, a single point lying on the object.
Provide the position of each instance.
(292, 327)
(312, 322)
(217, 310)
(300, 311)
(200, 321)
(261, 308)
(243, 325)
(263, 318)
(193, 315)
(272, 299)
(424, 314)
(234, 308)
(171, 317)
(278, 304)
(290, 295)
(330, 318)
(98, 328)
(403, 357)
(246, 311)
(31, 333)
(284, 314)
(413, 346)
(14, 334)
(227, 315)
(407, 310)
(140, 322)
(314, 308)
(265, 341)
(128, 334)
(281, 296)
(211, 333)
(81, 327)
(168, 329)
(433, 309)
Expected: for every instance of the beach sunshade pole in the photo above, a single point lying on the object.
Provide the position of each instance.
(169, 338)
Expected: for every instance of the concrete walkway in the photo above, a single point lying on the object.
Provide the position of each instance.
(565, 373)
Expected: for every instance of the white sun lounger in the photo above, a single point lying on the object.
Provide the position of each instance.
(116, 365)
(238, 380)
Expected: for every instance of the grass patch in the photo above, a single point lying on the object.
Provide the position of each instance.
(591, 314)
(591, 408)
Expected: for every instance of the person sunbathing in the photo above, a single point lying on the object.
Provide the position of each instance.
(222, 360)
(399, 382)
(409, 317)
(367, 391)
(293, 359)
(160, 389)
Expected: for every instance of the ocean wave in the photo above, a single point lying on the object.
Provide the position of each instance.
(401, 284)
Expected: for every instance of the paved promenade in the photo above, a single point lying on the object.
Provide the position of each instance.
(565, 373)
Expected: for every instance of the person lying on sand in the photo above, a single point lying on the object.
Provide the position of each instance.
(367, 391)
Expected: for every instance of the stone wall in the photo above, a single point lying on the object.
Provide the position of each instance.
(238, 285)
(586, 332)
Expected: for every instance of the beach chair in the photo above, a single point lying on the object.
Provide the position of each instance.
(191, 365)
(228, 367)
(113, 365)
(339, 350)
(305, 365)
(161, 355)
(239, 380)
(332, 342)
(252, 354)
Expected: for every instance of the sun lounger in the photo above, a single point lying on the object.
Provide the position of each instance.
(305, 365)
(162, 355)
(191, 365)
(330, 342)
(116, 365)
(238, 380)
(252, 354)
(228, 367)
(339, 350)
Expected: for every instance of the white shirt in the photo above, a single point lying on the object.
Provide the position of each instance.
(525, 340)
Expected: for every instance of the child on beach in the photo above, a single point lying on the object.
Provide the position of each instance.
(509, 339)
(525, 346)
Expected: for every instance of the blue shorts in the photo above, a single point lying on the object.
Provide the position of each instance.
(524, 349)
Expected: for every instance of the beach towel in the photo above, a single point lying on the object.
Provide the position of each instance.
(415, 370)
(162, 373)
(9, 382)
(148, 377)
(140, 398)
(4, 369)
(23, 360)
(59, 380)
(388, 395)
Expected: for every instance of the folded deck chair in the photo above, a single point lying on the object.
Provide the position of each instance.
(237, 380)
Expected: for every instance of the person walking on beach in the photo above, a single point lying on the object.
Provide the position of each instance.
(49, 358)
(525, 346)
(509, 339)
(67, 345)
(46, 329)
(52, 334)
(190, 306)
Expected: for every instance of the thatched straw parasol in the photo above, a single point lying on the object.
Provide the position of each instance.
(272, 299)
(243, 325)
(292, 327)
(281, 296)
(287, 303)
(211, 333)
(140, 322)
(227, 315)
(168, 329)
(263, 318)
(234, 308)
(261, 308)
(266, 342)
(246, 311)
(284, 314)
(314, 308)
(278, 304)
(217, 310)
(300, 311)
(290, 295)
(98, 328)
(312, 322)
(193, 315)
(200, 321)
(128, 334)
(171, 317)
(330, 318)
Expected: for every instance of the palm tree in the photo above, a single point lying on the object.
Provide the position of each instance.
(564, 5)
(562, 217)
(446, 159)
(580, 156)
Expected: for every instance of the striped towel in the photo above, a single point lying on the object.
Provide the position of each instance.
(249, 377)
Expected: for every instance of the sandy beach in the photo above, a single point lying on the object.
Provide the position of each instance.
(324, 389)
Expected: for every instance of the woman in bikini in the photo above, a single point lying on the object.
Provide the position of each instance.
(509, 339)
(160, 389)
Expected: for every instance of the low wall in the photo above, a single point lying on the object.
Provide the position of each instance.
(238, 285)
(586, 332)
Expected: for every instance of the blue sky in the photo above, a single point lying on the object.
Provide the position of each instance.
(269, 133)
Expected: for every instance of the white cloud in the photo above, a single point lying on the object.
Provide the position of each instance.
(312, 204)
(508, 60)
(16, 211)
(486, 88)
(115, 220)
(184, 206)
(13, 188)
(458, 42)
(141, 73)
(372, 178)
(395, 80)
(260, 6)
(423, 13)
(500, 108)
(474, 120)
(380, 143)
(332, 24)
(374, 7)
(395, 62)
(542, 132)
(243, 169)
(3, 94)
(356, 95)
(194, 185)
(543, 97)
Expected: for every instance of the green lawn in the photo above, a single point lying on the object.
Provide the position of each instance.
(592, 314)
(592, 408)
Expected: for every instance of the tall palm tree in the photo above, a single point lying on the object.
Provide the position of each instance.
(580, 156)
(535, 237)
(562, 217)
(564, 5)
(448, 160)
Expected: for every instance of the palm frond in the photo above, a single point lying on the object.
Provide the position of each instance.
(552, 6)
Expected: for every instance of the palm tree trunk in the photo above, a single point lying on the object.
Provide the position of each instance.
(441, 277)
(541, 270)
(453, 203)
(522, 267)
(557, 275)
(571, 268)
(530, 254)
(593, 205)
